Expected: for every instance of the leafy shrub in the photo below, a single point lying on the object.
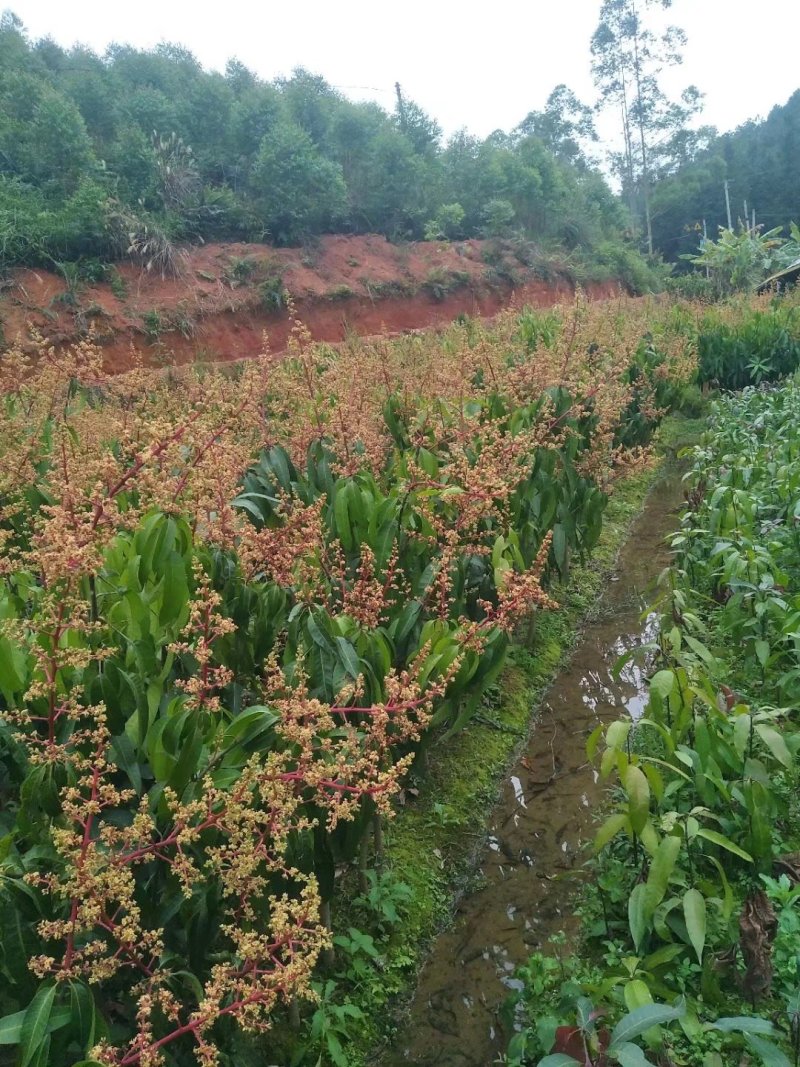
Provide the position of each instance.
(178, 812)
(446, 224)
(239, 270)
(272, 292)
(439, 282)
(497, 218)
(743, 346)
(614, 261)
(339, 292)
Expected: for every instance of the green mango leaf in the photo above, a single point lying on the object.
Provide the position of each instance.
(637, 994)
(11, 1025)
(636, 1022)
(125, 758)
(762, 652)
(638, 789)
(83, 1014)
(661, 868)
(663, 683)
(741, 734)
(694, 911)
(771, 1055)
(609, 830)
(617, 733)
(13, 669)
(629, 1055)
(559, 547)
(34, 1024)
(727, 892)
(661, 956)
(348, 657)
(638, 913)
(344, 497)
(724, 842)
(744, 1024)
(774, 741)
(592, 741)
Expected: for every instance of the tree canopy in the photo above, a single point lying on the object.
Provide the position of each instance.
(95, 147)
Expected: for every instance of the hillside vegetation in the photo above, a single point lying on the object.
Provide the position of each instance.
(131, 152)
(760, 160)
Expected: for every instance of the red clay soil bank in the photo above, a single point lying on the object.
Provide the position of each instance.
(218, 309)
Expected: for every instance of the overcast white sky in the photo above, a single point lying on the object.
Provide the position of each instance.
(483, 66)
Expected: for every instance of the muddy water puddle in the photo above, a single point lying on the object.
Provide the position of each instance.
(533, 855)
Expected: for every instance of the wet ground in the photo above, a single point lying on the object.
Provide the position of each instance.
(533, 857)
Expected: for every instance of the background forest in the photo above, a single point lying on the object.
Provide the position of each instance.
(102, 157)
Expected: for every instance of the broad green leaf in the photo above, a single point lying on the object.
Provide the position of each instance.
(663, 683)
(557, 1059)
(661, 868)
(125, 758)
(637, 994)
(629, 1055)
(774, 741)
(636, 1022)
(638, 790)
(11, 1028)
(661, 956)
(694, 911)
(771, 1055)
(609, 830)
(617, 733)
(592, 741)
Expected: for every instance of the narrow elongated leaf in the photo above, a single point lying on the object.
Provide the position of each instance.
(725, 842)
(11, 1025)
(82, 1009)
(34, 1025)
(638, 913)
(348, 657)
(727, 892)
(744, 1024)
(694, 912)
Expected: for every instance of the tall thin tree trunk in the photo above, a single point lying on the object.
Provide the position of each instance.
(637, 70)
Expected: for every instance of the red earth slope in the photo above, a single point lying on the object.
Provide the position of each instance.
(227, 297)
